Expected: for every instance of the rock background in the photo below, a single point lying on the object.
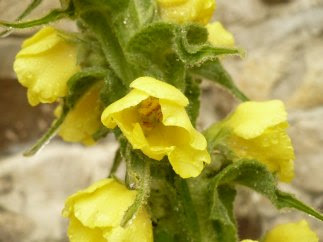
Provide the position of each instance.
(284, 45)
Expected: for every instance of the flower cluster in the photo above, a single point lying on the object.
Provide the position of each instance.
(153, 117)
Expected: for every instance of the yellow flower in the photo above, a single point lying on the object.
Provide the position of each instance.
(219, 36)
(291, 232)
(84, 119)
(257, 130)
(96, 212)
(183, 11)
(152, 116)
(44, 64)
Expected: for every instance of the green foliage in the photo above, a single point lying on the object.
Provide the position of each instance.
(137, 177)
(214, 71)
(80, 82)
(196, 51)
(152, 52)
(255, 175)
(193, 93)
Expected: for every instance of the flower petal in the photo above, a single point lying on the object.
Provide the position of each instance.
(69, 204)
(140, 230)
(43, 40)
(198, 11)
(175, 115)
(105, 207)
(188, 162)
(133, 98)
(251, 119)
(45, 71)
(84, 119)
(219, 36)
(79, 233)
(159, 89)
(293, 232)
(273, 148)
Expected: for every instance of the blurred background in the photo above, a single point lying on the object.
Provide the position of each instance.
(283, 40)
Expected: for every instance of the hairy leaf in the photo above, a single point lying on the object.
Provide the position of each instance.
(192, 46)
(214, 71)
(255, 175)
(152, 51)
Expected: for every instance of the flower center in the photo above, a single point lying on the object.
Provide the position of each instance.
(150, 113)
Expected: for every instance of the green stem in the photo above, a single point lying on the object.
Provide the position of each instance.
(142, 194)
(116, 163)
(47, 136)
(187, 209)
(52, 16)
(34, 4)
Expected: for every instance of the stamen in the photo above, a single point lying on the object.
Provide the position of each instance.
(150, 113)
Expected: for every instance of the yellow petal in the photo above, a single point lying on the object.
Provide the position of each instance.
(251, 119)
(293, 232)
(69, 204)
(199, 11)
(43, 40)
(140, 230)
(169, 3)
(133, 98)
(249, 240)
(219, 36)
(105, 207)
(175, 115)
(273, 148)
(44, 65)
(79, 233)
(84, 119)
(159, 89)
(188, 162)
(95, 214)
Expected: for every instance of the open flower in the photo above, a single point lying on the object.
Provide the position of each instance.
(219, 36)
(96, 212)
(83, 120)
(44, 64)
(290, 232)
(184, 11)
(152, 116)
(257, 130)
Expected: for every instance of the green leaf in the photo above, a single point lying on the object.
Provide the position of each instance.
(98, 22)
(222, 214)
(255, 175)
(192, 46)
(137, 177)
(214, 71)
(152, 51)
(52, 16)
(113, 23)
(193, 92)
(80, 82)
(113, 89)
(187, 209)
